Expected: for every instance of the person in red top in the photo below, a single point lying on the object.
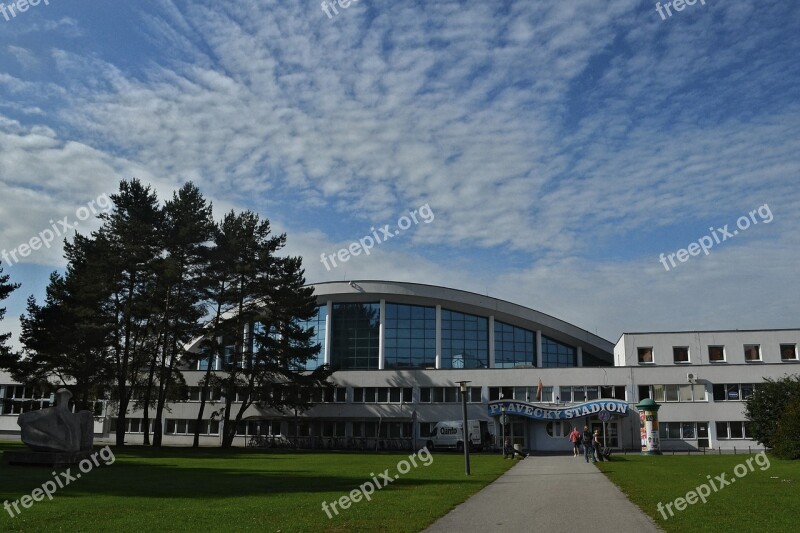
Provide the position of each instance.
(575, 439)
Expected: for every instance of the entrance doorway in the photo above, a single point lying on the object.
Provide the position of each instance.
(702, 435)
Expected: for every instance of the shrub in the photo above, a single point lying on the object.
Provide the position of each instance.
(786, 439)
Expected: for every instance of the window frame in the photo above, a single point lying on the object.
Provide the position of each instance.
(721, 347)
(793, 347)
(676, 349)
(758, 349)
(641, 350)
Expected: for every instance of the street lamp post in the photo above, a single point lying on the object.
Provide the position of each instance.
(503, 426)
(465, 432)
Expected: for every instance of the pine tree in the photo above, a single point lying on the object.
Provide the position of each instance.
(128, 250)
(6, 289)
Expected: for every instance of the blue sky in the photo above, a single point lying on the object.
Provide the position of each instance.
(562, 146)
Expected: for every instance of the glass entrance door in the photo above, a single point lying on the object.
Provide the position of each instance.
(702, 435)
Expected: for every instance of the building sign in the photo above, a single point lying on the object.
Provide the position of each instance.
(538, 412)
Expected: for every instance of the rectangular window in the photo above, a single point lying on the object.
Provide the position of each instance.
(747, 390)
(674, 430)
(752, 352)
(658, 393)
(450, 394)
(438, 395)
(732, 391)
(494, 393)
(408, 395)
(591, 393)
(672, 393)
(578, 394)
(369, 395)
(358, 395)
(513, 346)
(475, 395)
(699, 393)
(722, 430)
(789, 352)
(410, 336)
(425, 395)
(737, 431)
(327, 395)
(680, 354)
(716, 354)
(565, 394)
(645, 355)
(547, 394)
(685, 393)
(644, 392)
(719, 392)
(383, 394)
(341, 394)
(395, 393)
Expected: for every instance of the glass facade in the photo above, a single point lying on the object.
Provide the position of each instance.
(318, 323)
(355, 328)
(558, 355)
(513, 346)
(465, 340)
(410, 336)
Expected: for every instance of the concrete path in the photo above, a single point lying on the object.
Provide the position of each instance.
(552, 494)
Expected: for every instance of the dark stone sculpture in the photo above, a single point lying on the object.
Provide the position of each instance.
(55, 435)
(56, 429)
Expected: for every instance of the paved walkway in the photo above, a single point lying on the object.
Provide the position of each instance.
(548, 494)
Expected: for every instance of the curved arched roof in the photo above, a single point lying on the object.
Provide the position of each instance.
(466, 302)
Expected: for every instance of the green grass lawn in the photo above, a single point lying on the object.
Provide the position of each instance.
(179, 489)
(754, 502)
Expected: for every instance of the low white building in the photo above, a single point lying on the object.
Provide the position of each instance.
(400, 348)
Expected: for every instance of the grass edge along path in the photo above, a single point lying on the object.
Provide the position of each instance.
(745, 492)
(182, 489)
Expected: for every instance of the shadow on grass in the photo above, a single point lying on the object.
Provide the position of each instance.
(209, 474)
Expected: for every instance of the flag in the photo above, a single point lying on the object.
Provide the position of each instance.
(539, 391)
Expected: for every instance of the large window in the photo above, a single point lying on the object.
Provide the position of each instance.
(677, 430)
(581, 393)
(20, 399)
(590, 360)
(525, 394)
(673, 393)
(448, 395)
(558, 355)
(318, 323)
(733, 430)
(410, 336)
(465, 340)
(382, 395)
(513, 346)
(732, 392)
(354, 336)
(187, 427)
(644, 355)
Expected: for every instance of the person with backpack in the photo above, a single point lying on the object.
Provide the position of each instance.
(586, 440)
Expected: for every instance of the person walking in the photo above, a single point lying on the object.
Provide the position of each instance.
(575, 439)
(597, 446)
(586, 440)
